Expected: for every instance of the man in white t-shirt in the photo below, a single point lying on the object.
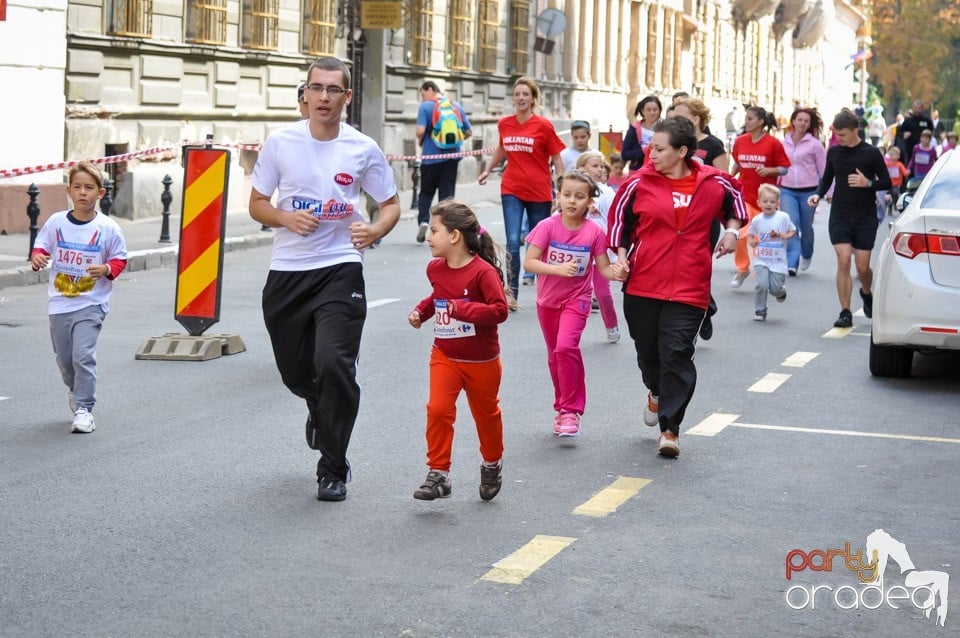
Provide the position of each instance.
(314, 300)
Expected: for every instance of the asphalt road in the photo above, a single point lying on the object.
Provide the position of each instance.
(192, 509)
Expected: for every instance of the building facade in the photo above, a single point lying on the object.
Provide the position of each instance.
(144, 73)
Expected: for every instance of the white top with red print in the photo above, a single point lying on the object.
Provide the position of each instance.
(73, 247)
(324, 178)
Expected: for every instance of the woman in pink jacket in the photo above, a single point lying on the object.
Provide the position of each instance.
(660, 225)
(807, 160)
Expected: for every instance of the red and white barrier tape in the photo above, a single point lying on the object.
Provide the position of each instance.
(114, 159)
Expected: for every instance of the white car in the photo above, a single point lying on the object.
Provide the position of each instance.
(916, 292)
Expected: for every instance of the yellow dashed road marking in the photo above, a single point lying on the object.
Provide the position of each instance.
(836, 333)
(607, 500)
(713, 424)
(799, 359)
(526, 560)
(769, 383)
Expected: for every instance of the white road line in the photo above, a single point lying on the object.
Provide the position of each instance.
(799, 359)
(859, 313)
(769, 383)
(4, 398)
(860, 334)
(717, 422)
(875, 435)
(836, 333)
(713, 424)
(380, 302)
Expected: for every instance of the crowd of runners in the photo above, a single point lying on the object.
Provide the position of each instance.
(652, 218)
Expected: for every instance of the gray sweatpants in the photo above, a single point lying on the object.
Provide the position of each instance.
(767, 281)
(74, 335)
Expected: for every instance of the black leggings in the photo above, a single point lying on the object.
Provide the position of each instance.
(664, 334)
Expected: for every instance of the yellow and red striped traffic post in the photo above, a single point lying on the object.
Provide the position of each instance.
(202, 229)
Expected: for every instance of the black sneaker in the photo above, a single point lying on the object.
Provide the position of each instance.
(436, 485)
(867, 303)
(312, 432)
(792, 272)
(331, 488)
(782, 296)
(845, 320)
(706, 328)
(490, 481)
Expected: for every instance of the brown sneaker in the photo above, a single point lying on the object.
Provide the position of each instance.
(669, 445)
(435, 486)
(490, 481)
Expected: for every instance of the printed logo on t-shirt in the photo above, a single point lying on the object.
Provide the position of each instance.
(518, 144)
(700, 155)
(344, 179)
(751, 161)
(681, 200)
(332, 210)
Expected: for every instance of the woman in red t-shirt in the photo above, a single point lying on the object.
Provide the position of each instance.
(758, 158)
(530, 143)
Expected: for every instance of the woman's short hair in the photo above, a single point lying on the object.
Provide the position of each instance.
(697, 109)
(680, 132)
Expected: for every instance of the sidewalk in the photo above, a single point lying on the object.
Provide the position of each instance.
(145, 250)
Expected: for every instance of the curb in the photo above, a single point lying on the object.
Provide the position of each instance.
(136, 260)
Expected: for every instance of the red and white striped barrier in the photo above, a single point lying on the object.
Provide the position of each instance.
(114, 159)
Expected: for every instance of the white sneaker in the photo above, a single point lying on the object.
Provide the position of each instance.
(651, 411)
(613, 335)
(738, 279)
(804, 263)
(83, 422)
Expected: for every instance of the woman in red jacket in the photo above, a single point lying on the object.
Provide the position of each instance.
(660, 225)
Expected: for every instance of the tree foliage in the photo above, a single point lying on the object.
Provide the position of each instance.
(916, 47)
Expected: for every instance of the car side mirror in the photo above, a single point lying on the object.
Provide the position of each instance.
(913, 184)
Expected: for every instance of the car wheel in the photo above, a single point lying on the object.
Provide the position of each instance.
(890, 361)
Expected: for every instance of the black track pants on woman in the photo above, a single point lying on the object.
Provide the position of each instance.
(664, 334)
(315, 320)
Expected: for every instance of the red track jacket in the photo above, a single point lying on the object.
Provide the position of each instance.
(666, 262)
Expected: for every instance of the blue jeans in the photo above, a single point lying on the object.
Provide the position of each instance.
(794, 203)
(513, 208)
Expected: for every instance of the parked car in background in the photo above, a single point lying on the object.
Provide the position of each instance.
(917, 281)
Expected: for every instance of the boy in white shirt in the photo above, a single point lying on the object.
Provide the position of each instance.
(580, 143)
(86, 251)
(768, 234)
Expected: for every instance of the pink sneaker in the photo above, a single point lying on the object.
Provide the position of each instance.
(569, 424)
(556, 424)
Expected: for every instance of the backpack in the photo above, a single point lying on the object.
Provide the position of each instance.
(447, 132)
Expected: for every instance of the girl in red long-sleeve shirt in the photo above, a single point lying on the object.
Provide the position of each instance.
(467, 303)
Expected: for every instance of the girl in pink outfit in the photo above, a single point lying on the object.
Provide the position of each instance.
(563, 250)
(592, 163)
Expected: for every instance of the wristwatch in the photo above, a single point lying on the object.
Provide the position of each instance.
(869, 183)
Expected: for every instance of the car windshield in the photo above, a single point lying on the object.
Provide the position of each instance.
(944, 192)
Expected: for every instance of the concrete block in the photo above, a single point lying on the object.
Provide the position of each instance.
(396, 84)
(287, 76)
(160, 66)
(86, 62)
(226, 71)
(136, 263)
(160, 92)
(169, 257)
(180, 347)
(81, 89)
(152, 260)
(395, 104)
(225, 95)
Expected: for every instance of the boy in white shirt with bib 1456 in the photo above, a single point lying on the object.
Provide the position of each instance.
(768, 234)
